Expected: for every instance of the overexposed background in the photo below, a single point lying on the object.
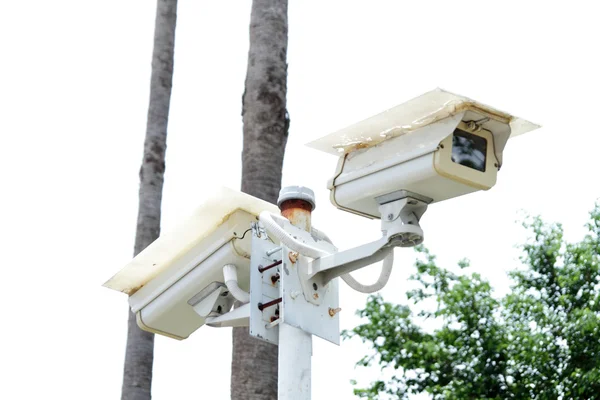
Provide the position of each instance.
(74, 83)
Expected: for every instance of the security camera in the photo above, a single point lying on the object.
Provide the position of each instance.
(432, 148)
(279, 268)
(193, 275)
(391, 167)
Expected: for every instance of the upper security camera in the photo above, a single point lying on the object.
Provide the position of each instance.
(432, 148)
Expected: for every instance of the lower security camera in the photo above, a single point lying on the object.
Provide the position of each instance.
(432, 148)
(178, 281)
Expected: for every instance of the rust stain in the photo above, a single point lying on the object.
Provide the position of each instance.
(290, 205)
(262, 269)
(450, 109)
(316, 296)
(298, 212)
(485, 110)
(271, 303)
(293, 256)
(275, 278)
(132, 290)
(356, 146)
(333, 311)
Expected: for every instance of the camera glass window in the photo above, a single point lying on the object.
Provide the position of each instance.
(469, 150)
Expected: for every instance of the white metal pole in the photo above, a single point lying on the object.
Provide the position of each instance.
(295, 352)
(295, 346)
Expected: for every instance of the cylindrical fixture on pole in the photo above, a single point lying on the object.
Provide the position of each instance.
(296, 204)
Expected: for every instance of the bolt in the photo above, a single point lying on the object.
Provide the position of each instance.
(333, 311)
(262, 269)
(293, 256)
(273, 251)
(275, 278)
(390, 216)
(262, 306)
(315, 286)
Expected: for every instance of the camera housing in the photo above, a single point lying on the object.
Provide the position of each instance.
(177, 281)
(432, 148)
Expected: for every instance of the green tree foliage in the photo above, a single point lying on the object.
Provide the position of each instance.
(541, 341)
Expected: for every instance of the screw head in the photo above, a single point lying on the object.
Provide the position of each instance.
(333, 311)
(275, 278)
(390, 216)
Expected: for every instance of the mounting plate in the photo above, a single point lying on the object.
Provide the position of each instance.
(264, 288)
(313, 309)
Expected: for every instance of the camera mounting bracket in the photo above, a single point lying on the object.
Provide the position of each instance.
(401, 212)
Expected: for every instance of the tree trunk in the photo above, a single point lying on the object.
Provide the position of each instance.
(139, 354)
(266, 122)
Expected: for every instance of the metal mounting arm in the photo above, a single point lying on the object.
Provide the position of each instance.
(343, 262)
(400, 215)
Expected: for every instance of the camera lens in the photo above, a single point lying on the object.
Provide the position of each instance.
(469, 150)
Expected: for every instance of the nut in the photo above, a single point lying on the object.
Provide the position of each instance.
(333, 311)
(274, 278)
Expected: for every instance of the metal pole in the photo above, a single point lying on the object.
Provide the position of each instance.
(295, 352)
(295, 346)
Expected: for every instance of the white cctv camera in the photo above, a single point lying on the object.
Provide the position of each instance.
(392, 166)
(179, 282)
(431, 148)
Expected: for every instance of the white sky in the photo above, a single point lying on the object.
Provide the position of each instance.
(74, 82)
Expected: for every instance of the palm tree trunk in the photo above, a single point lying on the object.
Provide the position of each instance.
(266, 122)
(139, 355)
